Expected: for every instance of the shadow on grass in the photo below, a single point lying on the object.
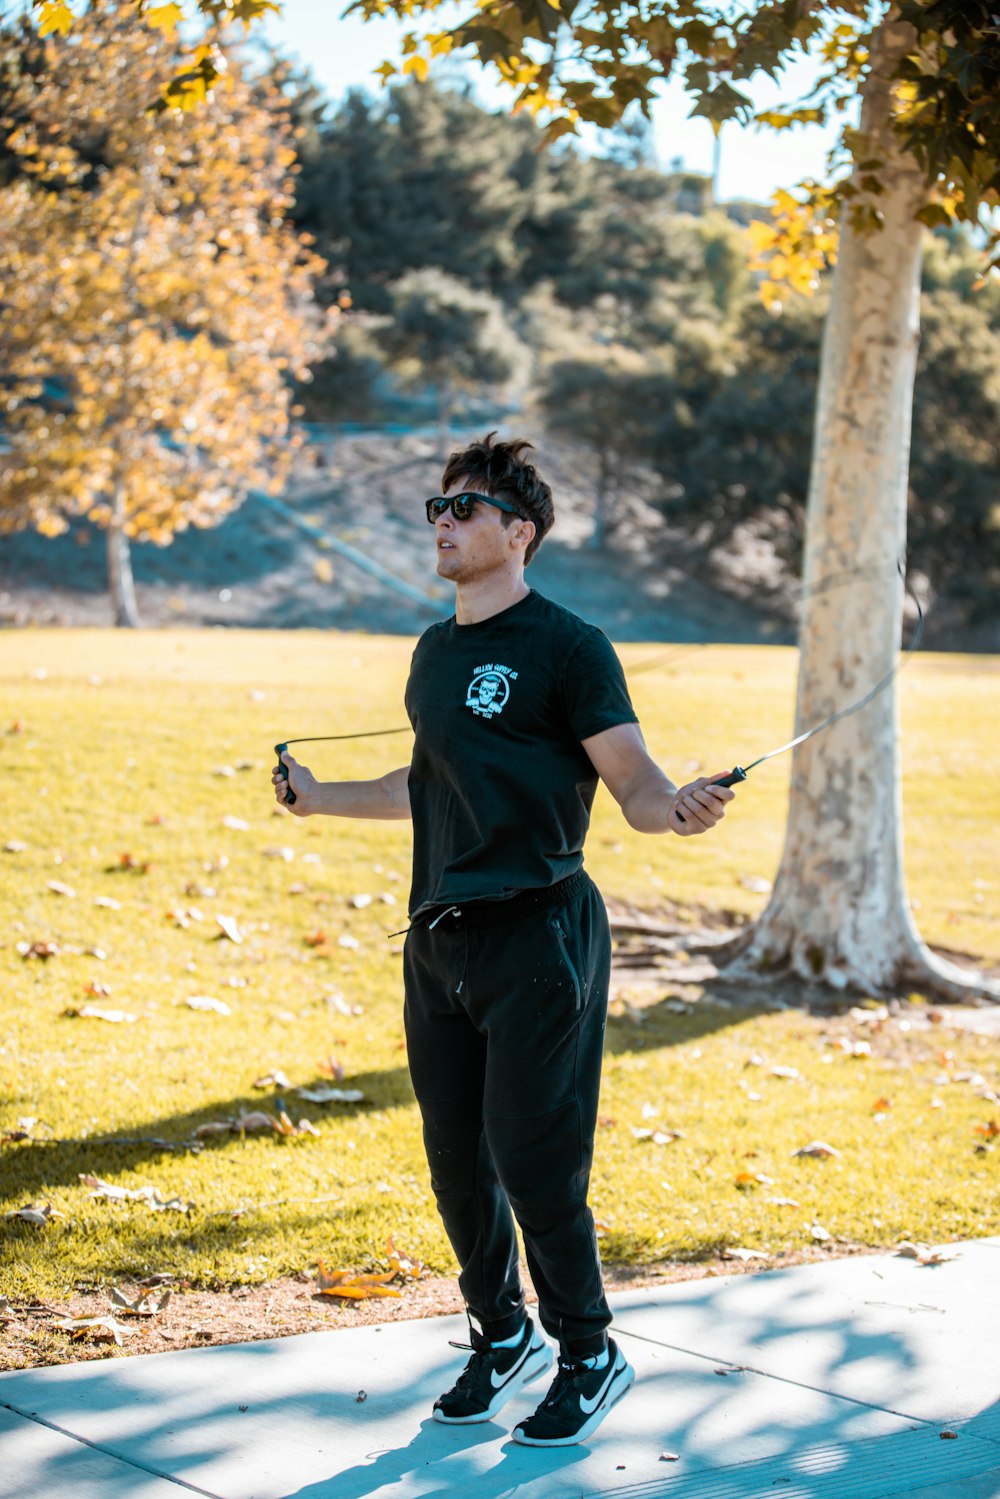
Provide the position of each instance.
(813, 1392)
(39, 1166)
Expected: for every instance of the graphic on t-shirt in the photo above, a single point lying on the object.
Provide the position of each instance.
(489, 689)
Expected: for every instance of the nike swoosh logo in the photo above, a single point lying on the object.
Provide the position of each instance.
(497, 1380)
(589, 1406)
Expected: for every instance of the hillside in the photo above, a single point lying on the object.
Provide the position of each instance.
(258, 570)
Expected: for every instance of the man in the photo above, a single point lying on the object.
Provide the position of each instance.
(518, 707)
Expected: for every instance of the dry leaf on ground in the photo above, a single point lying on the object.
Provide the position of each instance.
(404, 1264)
(924, 1255)
(91, 1012)
(145, 1304)
(351, 1286)
(42, 950)
(58, 888)
(817, 1148)
(32, 1213)
(230, 928)
(150, 1195)
(102, 1328)
(206, 1002)
(744, 1254)
(275, 1079)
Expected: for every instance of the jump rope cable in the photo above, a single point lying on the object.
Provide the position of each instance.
(739, 772)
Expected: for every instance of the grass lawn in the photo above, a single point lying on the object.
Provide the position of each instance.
(138, 812)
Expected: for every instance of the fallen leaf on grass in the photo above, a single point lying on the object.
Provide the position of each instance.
(14, 846)
(91, 1012)
(145, 1304)
(791, 1073)
(817, 1148)
(236, 824)
(58, 888)
(206, 1002)
(129, 861)
(404, 1264)
(282, 852)
(852, 1048)
(150, 1195)
(316, 939)
(42, 950)
(359, 902)
(744, 1255)
(251, 1122)
(275, 1079)
(97, 990)
(658, 1136)
(31, 1213)
(753, 1179)
(102, 1328)
(782, 1202)
(330, 1095)
(229, 928)
(351, 1286)
(331, 1068)
(988, 1131)
(819, 1233)
(880, 1105)
(349, 942)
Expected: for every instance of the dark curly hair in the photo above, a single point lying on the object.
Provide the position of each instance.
(498, 469)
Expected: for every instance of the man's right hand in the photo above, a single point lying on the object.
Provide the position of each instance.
(302, 782)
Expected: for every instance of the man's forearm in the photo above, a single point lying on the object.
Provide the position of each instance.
(386, 798)
(648, 802)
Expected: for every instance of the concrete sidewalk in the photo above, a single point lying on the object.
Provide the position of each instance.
(820, 1381)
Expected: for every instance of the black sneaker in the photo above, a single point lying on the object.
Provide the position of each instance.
(578, 1400)
(492, 1376)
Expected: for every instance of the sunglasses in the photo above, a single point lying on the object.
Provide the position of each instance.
(462, 505)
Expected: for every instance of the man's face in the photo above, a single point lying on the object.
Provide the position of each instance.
(470, 550)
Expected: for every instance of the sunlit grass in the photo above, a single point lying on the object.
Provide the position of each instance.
(113, 753)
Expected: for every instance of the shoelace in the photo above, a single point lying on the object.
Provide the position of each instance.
(468, 1374)
(569, 1369)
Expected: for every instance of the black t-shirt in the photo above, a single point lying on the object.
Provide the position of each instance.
(500, 786)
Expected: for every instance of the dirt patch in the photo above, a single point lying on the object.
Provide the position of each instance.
(284, 1307)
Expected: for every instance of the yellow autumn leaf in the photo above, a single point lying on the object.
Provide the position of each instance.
(763, 236)
(54, 15)
(164, 18)
(404, 1264)
(417, 66)
(351, 1286)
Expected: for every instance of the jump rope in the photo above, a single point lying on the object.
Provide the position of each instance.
(738, 772)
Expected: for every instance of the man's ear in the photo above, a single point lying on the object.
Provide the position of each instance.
(524, 532)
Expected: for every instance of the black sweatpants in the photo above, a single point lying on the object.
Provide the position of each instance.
(505, 1013)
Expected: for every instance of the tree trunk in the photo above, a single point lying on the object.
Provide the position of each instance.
(839, 912)
(602, 499)
(120, 582)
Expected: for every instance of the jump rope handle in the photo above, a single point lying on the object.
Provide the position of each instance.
(734, 777)
(279, 750)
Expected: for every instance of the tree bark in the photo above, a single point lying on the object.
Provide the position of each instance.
(120, 582)
(839, 913)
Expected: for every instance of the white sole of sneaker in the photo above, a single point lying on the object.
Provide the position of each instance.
(539, 1363)
(617, 1390)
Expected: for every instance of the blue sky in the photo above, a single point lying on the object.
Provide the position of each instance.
(343, 54)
